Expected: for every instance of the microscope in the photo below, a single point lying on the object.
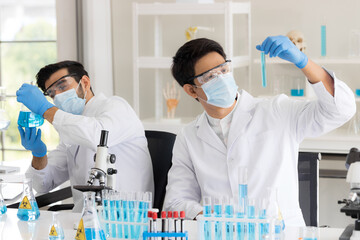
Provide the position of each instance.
(103, 172)
(352, 205)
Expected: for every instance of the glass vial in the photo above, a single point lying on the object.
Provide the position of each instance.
(28, 209)
(89, 226)
(56, 231)
(323, 39)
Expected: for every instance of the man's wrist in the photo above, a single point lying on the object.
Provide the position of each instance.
(304, 60)
(50, 113)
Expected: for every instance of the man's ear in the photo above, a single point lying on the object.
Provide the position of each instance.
(189, 89)
(85, 80)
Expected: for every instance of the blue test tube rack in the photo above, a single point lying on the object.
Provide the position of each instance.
(256, 222)
(148, 235)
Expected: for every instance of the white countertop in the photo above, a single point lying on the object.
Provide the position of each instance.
(12, 228)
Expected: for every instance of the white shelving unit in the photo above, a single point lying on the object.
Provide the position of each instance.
(158, 62)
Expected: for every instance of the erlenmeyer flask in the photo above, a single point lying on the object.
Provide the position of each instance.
(3, 208)
(28, 118)
(274, 212)
(89, 226)
(56, 232)
(4, 117)
(28, 209)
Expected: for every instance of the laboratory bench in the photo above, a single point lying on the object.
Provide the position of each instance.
(12, 228)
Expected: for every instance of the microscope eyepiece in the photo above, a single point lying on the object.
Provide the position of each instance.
(103, 138)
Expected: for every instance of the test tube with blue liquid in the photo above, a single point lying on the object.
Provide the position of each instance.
(106, 210)
(251, 213)
(264, 228)
(118, 205)
(207, 213)
(229, 213)
(28, 118)
(218, 213)
(139, 212)
(263, 69)
(323, 38)
(112, 213)
(242, 201)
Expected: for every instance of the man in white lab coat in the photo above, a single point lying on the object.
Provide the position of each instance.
(238, 130)
(79, 116)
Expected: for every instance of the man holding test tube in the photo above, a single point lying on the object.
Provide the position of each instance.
(238, 130)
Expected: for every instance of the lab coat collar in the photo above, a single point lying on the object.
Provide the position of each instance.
(241, 117)
(93, 103)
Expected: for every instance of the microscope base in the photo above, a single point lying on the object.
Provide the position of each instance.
(347, 233)
(86, 188)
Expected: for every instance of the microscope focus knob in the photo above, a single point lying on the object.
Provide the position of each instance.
(111, 171)
(112, 158)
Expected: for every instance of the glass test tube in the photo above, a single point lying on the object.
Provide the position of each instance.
(218, 213)
(207, 213)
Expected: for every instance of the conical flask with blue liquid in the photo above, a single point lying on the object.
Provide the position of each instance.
(3, 208)
(89, 226)
(56, 231)
(29, 119)
(28, 209)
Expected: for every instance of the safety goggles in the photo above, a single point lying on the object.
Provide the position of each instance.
(61, 85)
(209, 75)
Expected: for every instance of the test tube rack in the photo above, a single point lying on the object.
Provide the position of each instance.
(173, 235)
(207, 226)
(119, 230)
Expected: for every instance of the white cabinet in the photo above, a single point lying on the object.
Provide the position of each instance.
(227, 17)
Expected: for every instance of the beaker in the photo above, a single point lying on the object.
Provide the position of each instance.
(89, 226)
(56, 231)
(4, 117)
(3, 208)
(28, 209)
(297, 86)
(28, 118)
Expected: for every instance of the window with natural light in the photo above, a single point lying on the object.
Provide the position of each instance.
(27, 43)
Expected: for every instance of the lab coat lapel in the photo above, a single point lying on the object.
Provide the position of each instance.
(241, 117)
(207, 134)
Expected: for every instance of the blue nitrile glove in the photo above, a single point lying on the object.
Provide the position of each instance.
(282, 47)
(33, 99)
(32, 141)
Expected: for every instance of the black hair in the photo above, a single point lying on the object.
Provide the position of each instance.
(183, 67)
(73, 67)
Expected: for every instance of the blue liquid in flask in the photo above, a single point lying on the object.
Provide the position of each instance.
(30, 119)
(3, 209)
(29, 214)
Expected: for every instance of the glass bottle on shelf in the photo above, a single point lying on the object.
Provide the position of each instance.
(4, 117)
(89, 226)
(28, 209)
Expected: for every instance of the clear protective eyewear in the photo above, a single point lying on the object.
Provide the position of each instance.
(209, 75)
(61, 85)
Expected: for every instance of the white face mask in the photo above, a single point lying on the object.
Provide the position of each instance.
(70, 102)
(221, 91)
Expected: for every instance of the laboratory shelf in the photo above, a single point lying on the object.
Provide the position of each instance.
(192, 8)
(165, 62)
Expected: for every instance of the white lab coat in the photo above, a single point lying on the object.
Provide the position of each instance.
(264, 136)
(79, 137)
